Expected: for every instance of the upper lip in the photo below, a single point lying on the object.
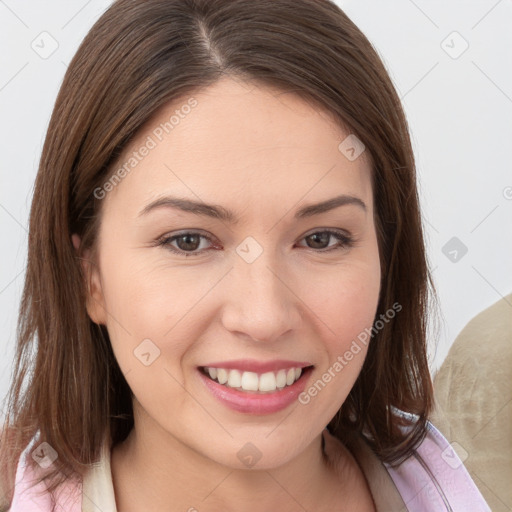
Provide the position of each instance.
(253, 365)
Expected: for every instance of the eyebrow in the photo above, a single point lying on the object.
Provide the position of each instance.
(221, 213)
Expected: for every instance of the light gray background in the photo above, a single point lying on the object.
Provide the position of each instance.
(459, 109)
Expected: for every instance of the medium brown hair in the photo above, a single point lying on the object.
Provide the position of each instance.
(140, 55)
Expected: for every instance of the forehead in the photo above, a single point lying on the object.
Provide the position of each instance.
(239, 143)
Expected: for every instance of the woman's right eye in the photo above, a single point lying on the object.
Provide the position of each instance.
(187, 243)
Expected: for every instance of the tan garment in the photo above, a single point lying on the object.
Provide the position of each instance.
(473, 391)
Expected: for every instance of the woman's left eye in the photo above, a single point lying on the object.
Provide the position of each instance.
(190, 243)
(320, 238)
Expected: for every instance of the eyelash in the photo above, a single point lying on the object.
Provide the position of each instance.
(346, 241)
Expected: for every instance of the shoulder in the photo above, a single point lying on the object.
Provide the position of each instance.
(29, 495)
(434, 478)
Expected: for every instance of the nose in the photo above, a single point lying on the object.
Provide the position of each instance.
(261, 304)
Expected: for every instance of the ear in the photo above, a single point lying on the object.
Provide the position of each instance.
(95, 301)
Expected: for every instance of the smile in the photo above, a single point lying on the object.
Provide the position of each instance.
(250, 381)
(253, 392)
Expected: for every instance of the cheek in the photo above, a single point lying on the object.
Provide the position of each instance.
(343, 303)
(343, 309)
(145, 303)
(151, 328)
(150, 295)
(345, 299)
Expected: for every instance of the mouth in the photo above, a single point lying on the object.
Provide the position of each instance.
(253, 392)
(253, 382)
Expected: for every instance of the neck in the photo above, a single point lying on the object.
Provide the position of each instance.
(152, 469)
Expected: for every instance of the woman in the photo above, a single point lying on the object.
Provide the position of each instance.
(226, 276)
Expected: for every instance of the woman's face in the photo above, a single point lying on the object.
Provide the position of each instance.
(249, 282)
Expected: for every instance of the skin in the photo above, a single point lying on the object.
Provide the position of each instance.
(295, 301)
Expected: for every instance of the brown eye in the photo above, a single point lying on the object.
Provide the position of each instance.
(320, 240)
(185, 244)
(188, 242)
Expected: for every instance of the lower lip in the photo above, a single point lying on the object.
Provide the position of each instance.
(255, 403)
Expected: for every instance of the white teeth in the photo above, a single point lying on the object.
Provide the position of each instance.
(234, 379)
(281, 379)
(251, 381)
(267, 382)
(222, 375)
